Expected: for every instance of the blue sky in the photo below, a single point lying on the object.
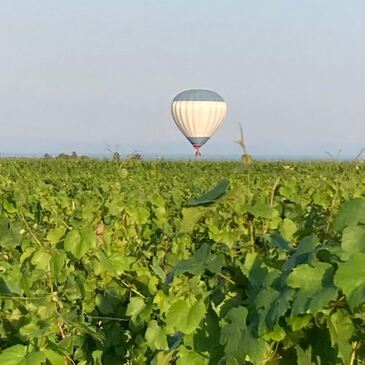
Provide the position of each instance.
(76, 75)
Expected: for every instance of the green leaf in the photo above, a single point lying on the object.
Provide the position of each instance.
(279, 242)
(278, 307)
(269, 306)
(288, 229)
(254, 268)
(9, 207)
(135, 307)
(54, 235)
(156, 337)
(184, 316)
(341, 330)
(255, 348)
(211, 196)
(202, 260)
(13, 355)
(357, 297)
(307, 277)
(97, 357)
(121, 263)
(299, 322)
(190, 357)
(54, 358)
(207, 337)
(314, 287)
(190, 217)
(232, 335)
(73, 243)
(57, 263)
(351, 212)
(304, 357)
(103, 264)
(78, 242)
(261, 210)
(257, 272)
(41, 260)
(12, 280)
(277, 334)
(10, 236)
(156, 268)
(322, 298)
(304, 254)
(31, 330)
(353, 239)
(238, 340)
(351, 274)
(34, 358)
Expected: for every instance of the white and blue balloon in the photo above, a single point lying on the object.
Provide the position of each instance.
(198, 114)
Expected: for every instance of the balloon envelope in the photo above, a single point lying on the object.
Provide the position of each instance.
(198, 114)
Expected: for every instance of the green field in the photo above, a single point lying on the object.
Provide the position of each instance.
(105, 262)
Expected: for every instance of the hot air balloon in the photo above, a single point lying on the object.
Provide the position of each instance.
(198, 114)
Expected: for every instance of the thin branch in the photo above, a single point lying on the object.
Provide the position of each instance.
(12, 297)
(353, 354)
(274, 190)
(59, 325)
(357, 157)
(108, 318)
(226, 278)
(133, 290)
(29, 229)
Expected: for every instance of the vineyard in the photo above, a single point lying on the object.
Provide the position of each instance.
(182, 263)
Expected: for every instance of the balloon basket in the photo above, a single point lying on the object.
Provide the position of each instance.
(197, 152)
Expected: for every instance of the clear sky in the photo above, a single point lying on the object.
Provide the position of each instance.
(78, 74)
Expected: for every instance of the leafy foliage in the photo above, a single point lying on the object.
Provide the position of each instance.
(133, 262)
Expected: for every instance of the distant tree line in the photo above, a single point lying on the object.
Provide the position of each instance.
(65, 156)
(74, 156)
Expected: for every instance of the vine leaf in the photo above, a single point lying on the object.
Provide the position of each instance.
(54, 358)
(314, 287)
(191, 216)
(135, 307)
(341, 329)
(78, 242)
(202, 260)
(232, 335)
(304, 253)
(239, 341)
(184, 316)
(13, 355)
(351, 212)
(350, 275)
(156, 337)
(212, 195)
(353, 239)
(190, 357)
